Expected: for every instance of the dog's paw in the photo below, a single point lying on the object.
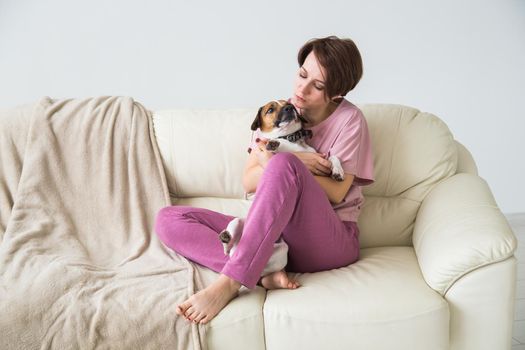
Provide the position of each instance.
(338, 173)
(272, 145)
(337, 177)
(225, 237)
(231, 235)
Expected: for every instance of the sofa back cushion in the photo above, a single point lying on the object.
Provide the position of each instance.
(204, 152)
(413, 151)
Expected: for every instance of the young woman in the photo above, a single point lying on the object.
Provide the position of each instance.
(296, 199)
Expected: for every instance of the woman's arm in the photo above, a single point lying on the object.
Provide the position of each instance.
(254, 168)
(321, 169)
(335, 190)
(251, 174)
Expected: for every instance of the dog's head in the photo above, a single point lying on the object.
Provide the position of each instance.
(277, 114)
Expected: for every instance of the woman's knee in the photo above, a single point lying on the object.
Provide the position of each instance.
(166, 213)
(286, 161)
(167, 217)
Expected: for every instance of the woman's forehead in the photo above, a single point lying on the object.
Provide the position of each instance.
(314, 68)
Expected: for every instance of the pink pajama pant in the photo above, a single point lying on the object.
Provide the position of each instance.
(288, 202)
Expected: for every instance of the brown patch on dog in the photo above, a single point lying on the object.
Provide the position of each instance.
(267, 115)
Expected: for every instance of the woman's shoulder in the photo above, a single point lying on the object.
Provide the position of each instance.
(349, 113)
(350, 106)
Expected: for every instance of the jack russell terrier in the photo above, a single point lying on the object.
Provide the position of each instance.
(280, 123)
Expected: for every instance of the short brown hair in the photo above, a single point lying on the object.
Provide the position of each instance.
(341, 60)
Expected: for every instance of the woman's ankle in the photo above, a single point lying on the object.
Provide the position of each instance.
(234, 285)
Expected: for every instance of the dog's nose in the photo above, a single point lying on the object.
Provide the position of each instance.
(287, 114)
(288, 108)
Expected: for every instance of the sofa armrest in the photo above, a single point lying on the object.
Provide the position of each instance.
(458, 229)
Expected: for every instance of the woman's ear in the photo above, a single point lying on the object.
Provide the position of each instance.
(257, 121)
(337, 99)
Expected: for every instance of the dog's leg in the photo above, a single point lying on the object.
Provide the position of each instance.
(225, 238)
(279, 258)
(231, 235)
(272, 145)
(338, 173)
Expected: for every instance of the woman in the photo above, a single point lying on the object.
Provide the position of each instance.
(296, 198)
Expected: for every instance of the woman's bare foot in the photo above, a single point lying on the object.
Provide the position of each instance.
(204, 305)
(278, 280)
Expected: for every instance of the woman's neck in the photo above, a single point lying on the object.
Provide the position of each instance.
(316, 117)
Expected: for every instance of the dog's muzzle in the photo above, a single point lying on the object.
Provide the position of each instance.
(287, 114)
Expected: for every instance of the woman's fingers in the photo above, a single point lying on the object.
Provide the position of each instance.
(324, 166)
(322, 170)
(263, 155)
(261, 141)
(315, 162)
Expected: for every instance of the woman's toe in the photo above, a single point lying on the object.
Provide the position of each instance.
(184, 307)
(199, 318)
(205, 320)
(190, 313)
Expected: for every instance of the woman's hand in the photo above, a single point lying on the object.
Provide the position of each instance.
(263, 155)
(315, 162)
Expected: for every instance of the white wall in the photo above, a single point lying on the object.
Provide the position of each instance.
(461, 60)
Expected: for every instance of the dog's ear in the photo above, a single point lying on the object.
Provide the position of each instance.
(257, 121)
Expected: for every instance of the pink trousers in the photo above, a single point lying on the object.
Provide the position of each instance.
(288, 202)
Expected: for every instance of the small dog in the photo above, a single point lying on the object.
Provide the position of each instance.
(280, 123)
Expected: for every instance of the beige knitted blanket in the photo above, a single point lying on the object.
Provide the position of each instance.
(81, 181)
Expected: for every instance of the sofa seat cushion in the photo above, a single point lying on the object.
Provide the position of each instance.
(380, 302)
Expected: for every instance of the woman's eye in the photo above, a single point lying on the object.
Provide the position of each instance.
(319, 87)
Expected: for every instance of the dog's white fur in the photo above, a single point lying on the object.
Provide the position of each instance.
(288, 128)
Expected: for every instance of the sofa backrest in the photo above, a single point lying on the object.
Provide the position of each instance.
(204, 152)
(413, 151)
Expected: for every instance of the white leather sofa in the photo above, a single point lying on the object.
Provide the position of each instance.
(436, 271)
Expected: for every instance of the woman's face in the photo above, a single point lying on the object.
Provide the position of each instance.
(309, 88)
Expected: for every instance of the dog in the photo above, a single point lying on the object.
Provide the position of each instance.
(280, 123)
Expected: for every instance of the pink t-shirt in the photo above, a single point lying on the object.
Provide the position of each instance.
(345, 134)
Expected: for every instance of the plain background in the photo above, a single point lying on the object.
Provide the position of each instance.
(463, 61)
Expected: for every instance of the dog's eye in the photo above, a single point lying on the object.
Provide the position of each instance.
(270, 110)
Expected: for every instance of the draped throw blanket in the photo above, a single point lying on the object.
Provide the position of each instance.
(81, 181)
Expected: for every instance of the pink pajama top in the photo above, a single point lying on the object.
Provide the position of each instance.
(345, 134)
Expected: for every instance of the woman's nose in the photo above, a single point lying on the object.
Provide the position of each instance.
(301, 88)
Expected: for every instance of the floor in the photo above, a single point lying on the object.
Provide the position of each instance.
(517, 222)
